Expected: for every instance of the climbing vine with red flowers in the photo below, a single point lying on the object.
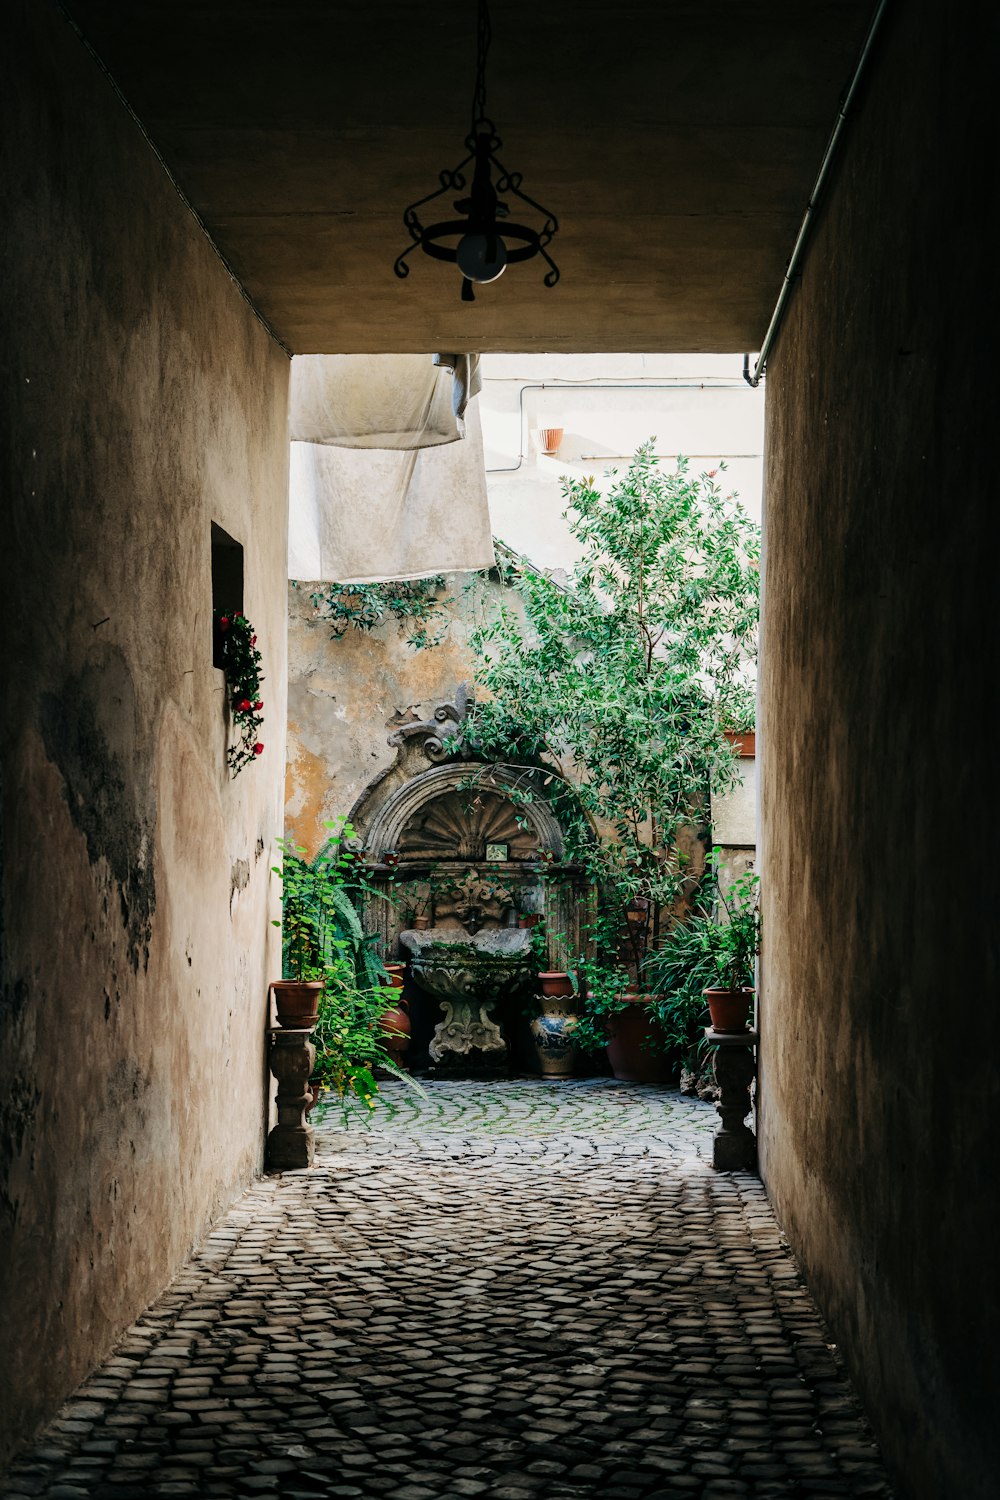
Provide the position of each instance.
(241, 664)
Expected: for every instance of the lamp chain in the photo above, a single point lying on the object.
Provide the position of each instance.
(484, 35)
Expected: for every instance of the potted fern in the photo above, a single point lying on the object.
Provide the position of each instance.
(336, 985)
(318, 916)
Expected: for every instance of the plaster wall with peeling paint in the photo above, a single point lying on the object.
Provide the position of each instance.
(347, 696)
(143, 402)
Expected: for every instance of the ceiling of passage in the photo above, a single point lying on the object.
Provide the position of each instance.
(676, 141)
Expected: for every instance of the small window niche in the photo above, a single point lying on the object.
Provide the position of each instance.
(227, 585)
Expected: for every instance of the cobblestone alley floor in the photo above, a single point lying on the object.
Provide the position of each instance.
(513, 1290)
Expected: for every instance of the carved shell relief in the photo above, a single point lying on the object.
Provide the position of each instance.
(459, 824)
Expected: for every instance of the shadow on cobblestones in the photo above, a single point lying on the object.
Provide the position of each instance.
(514, 1290)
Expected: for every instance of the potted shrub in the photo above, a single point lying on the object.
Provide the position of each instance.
(353, 1036)
(709, 956)
(622, 1020)
(335, 977)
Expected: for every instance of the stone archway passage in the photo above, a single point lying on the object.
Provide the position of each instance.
(517, 1291)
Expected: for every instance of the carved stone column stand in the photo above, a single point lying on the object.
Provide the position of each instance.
(291, 1144)
(734, 1148)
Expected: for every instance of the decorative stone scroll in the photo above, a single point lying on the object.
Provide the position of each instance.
(437, 736)
(467, 1030)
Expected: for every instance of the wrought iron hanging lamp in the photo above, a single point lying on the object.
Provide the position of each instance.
(476, 243)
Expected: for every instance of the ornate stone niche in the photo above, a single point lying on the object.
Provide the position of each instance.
(426, 828)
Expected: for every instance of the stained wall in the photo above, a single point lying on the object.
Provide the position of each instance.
(879, 1087)
(143, 401)
(347, 695)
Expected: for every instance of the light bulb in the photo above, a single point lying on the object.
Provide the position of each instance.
(482, 257)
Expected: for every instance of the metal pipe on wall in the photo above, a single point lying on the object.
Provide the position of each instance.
(798, 249)
(609, 385)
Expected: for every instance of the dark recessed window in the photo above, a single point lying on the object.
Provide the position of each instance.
(227, 584)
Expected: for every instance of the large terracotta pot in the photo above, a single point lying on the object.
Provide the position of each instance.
(297, 1002)
(729, 1009)
(394, 1026)
(552, 1033)
(555, 983)
(635, 1044)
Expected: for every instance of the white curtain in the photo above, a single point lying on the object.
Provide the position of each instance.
(361, 512)
(399, 401)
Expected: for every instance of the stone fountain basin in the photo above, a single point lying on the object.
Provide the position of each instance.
(487, 965)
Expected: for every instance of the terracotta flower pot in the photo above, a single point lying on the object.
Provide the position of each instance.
(549, 439)
(394, 1026)
(635, 1044)
(315, 1089)
(729, 1009)
(297, 1002)
(421, 924)
(555, 984)
(397, 975)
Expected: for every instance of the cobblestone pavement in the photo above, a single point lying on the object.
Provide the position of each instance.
(513, 1290)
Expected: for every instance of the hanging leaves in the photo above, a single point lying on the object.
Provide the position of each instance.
(241, 663)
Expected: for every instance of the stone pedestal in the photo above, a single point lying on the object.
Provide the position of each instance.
(734, 1065)
(468, 1042)
(291, 1144)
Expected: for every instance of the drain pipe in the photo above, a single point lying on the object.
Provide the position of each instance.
(794, 261)
(608, 385)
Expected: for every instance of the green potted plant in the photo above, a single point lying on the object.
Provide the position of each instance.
(709, 956)
(325, 951)
(357, 1034)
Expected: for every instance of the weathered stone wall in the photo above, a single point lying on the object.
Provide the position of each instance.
(879, 1085)
(142, 401)
(346, 696)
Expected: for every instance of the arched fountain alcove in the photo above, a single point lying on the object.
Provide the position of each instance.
(448, 836)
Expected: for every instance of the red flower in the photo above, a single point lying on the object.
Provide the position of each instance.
(712, 473)
(245, 706)
(258, 749)
(258, 705)
(253, 640)
(224, 623)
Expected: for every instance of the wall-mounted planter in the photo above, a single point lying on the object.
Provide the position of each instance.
(744, 743)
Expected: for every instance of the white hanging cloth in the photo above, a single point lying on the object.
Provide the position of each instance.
(374, 515)
(398, 401)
